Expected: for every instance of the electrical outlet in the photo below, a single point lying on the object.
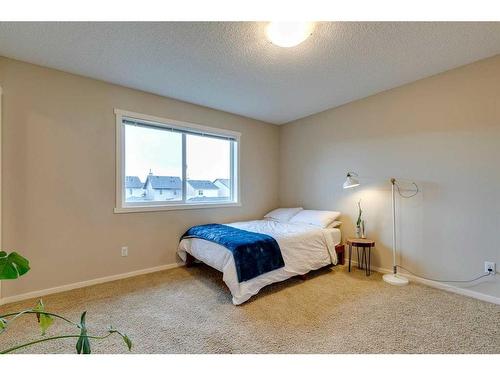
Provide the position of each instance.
(489, 266)
(124, 251)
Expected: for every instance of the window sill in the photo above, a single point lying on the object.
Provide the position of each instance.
(173, 207)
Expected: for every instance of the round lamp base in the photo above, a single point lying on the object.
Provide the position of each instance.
(393, 279)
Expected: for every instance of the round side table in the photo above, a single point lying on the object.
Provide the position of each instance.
(364, 261)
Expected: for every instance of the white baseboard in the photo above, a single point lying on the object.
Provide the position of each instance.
(82, 284)
(439, 285)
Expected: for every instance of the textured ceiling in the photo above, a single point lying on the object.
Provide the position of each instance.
(232, 67)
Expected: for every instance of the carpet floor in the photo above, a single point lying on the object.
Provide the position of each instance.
(189, 310)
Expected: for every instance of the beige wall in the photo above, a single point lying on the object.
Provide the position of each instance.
(59, 177)
(444, 133)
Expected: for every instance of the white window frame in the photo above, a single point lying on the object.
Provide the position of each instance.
(122, 206)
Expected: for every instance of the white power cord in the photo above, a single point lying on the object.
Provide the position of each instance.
(447, 281)
(406, 196)
(490, 272)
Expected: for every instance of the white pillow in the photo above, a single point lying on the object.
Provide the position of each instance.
(335, 224)
(318, 218)
(283, 214)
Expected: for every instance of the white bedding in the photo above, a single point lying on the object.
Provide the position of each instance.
(303, 247)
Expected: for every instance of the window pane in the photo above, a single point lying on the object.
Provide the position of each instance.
(208, 171)
(153, 165)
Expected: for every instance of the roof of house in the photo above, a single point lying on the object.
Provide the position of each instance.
(164, 182)
(136, 199)
(133, 182)
(202, 185)
(208, 199)
(224, 181)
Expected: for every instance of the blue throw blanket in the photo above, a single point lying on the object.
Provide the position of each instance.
(254, 253)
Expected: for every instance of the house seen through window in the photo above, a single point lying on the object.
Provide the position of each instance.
(166, 165)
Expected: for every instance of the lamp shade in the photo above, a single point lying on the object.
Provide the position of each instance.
(350, 181)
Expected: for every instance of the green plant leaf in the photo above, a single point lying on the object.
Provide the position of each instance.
(125, 338)
(3, 324)
(79, 345)
(44, 320)
(12, 265)
(128, 342)
(83, 344)
(86, 346)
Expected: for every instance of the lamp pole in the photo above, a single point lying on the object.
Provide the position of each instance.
(394, 268)
(393, 278)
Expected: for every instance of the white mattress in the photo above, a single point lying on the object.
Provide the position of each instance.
(303, 247)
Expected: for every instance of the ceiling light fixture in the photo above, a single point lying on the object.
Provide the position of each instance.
(288, 34)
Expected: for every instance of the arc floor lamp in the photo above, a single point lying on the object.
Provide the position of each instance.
(352, 180)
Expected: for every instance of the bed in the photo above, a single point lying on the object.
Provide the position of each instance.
(304, 247)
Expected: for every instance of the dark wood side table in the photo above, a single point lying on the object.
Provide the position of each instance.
(364, 261)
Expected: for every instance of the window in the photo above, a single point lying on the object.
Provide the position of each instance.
(173, 165)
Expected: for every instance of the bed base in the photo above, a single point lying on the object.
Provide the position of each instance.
(339, 249)
(189, 260)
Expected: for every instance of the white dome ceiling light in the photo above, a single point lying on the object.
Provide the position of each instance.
(288, 34)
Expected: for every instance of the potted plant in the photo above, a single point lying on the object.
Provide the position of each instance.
(359, 222)
(12, 266)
